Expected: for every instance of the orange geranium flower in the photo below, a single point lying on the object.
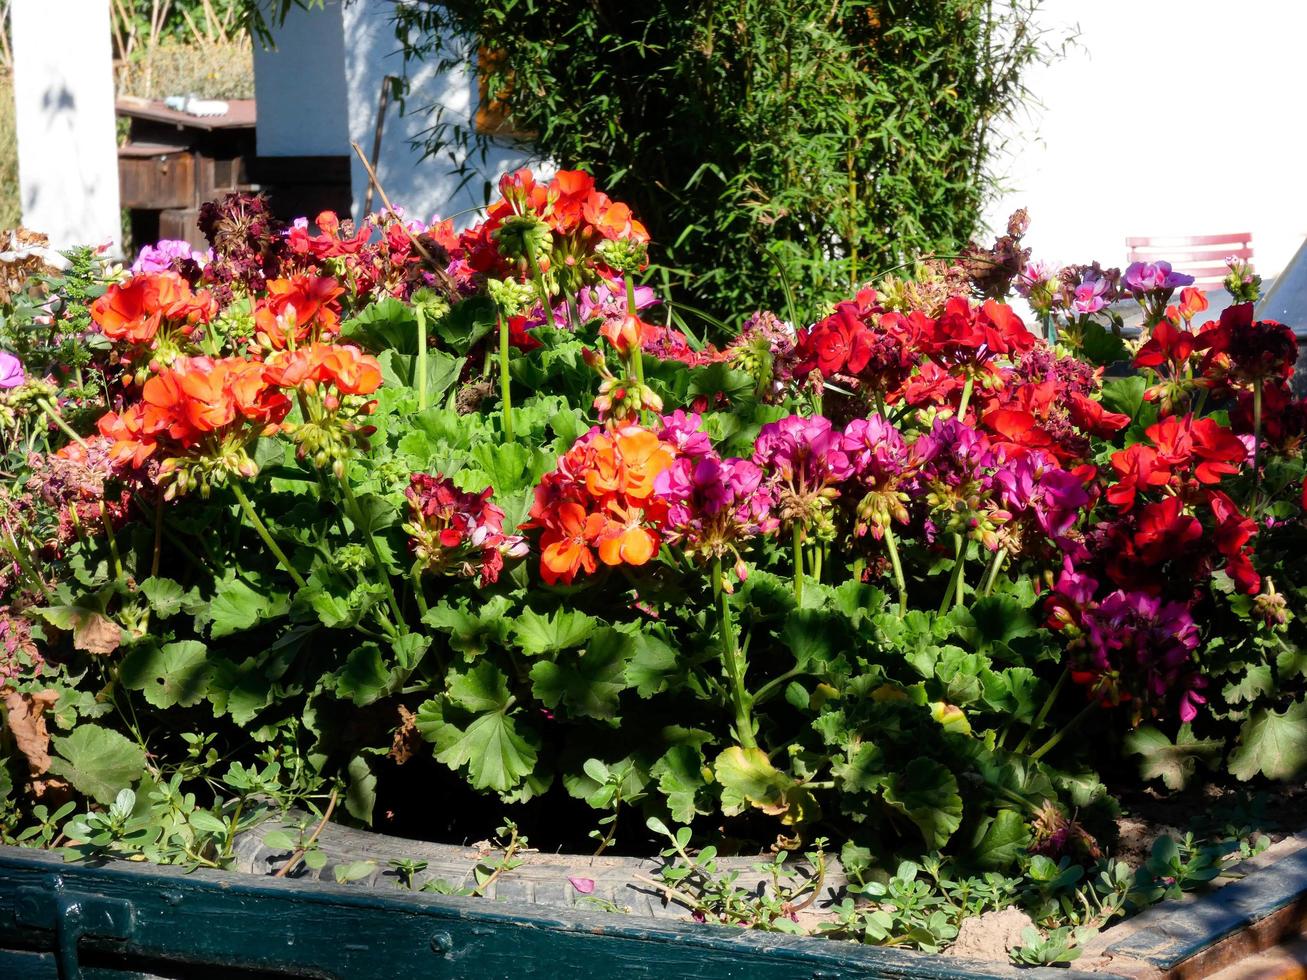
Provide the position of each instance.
(625, 538)
(565, 545)
(131, 443)
(644, 456)
(133, 311)
(298, 309)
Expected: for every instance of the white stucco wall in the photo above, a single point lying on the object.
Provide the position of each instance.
(1167, 117)
(320, 89)
(63, 97)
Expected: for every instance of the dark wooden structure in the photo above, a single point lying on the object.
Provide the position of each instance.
(173, 162)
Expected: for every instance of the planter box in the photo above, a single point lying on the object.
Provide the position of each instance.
(132, 920)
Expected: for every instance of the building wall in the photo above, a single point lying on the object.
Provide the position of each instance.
(1166, 117)
(63, 97)
(320, 90)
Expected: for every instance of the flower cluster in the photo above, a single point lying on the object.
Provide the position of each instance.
(456, 532)
(153, 315)
(599, 504)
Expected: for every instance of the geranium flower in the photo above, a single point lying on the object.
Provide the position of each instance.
(455, 532)
(296, 310)
(134, 311)
(715, 506)
(969, 336)
(883, 465)
(11, 370)
(1242, 351)
(165, 255)
(565, 545)
(1149, 277)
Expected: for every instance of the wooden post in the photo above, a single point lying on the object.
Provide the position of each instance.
(67, 145)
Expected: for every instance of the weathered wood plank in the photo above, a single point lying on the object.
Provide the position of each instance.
(330, 931)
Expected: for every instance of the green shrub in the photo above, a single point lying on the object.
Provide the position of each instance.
(834, 139)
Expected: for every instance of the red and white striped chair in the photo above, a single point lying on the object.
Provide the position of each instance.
(1200, 256)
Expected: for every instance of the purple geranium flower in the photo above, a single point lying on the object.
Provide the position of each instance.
(685, 433)
(1090, 296)
(804, 452)
(11, 371)
(163, 256)
(608, 299)
(1148, 277)
(715, 505)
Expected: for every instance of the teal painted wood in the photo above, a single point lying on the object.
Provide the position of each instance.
(1188, 928)
(181, 923)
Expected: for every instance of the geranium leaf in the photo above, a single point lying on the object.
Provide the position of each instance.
(1004, 838)
(927, 794)
(361, 793)
(176, 674)
(472, 632)
(654, 665)
(748, 777)
(496, 755)
(588, 683)
(1272, 743)
(1173, 764)
(364, 677)
(237, 607)
(483, 688)
(680, 775)
(97, 761)
(563, 629)
(92, 630)
(164, 595)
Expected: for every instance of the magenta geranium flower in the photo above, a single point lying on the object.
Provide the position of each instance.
(685, 433)
(1148, 277)
(714, 506)
(11, 371)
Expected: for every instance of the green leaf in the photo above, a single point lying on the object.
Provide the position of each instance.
(811, 636)
(1173, 764)
(361, 793)
(1004, 839)
(97, 761)
(927, 794)
(472, 632)
(564, 628)
(1258, 680)
(469, 321)
(354, 871)
(680, 775)
(588, 683)
(747, 776)
(177, 674)
(241, 691)
(364, 677)
(1000, 619)
(653, 667)
(1272, 743)
(483, 688)
(1124, 395)
(236, 607)
(164, 596)
(1102, 346)
(496, 754)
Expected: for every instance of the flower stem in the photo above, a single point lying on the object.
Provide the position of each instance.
(506, 398)
(53, 415)
(538, 278)
(422, 358)
(418, 593)
(1061, 733)
(274, 549)
(798, 563)
(732, 661)
(953, 594)
(966, 397)
(356, 515)
(112, 539)
(995, 567)
(1044, 709)
(1257, 435)
(899, 580)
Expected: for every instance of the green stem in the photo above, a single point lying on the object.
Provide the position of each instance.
(1044, 709)
(798, 563)
(1257, 435)
(999, 557)
(966, 396)
(636, 353)
(818, 555)
(53, 415)
(418, 593)
(112, 539)
(422, 358)
(899, 580)
(257, 523)
(1071, 725)
(953, 594)
(731, 660)
(356, 515)
(538, 278)
(506, 397)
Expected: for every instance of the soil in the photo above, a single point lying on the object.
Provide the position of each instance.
(990, 936)
(1207, 811)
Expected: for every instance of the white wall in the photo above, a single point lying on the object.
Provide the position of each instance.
(1168, 117)
(321, 89)
(63, 95)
